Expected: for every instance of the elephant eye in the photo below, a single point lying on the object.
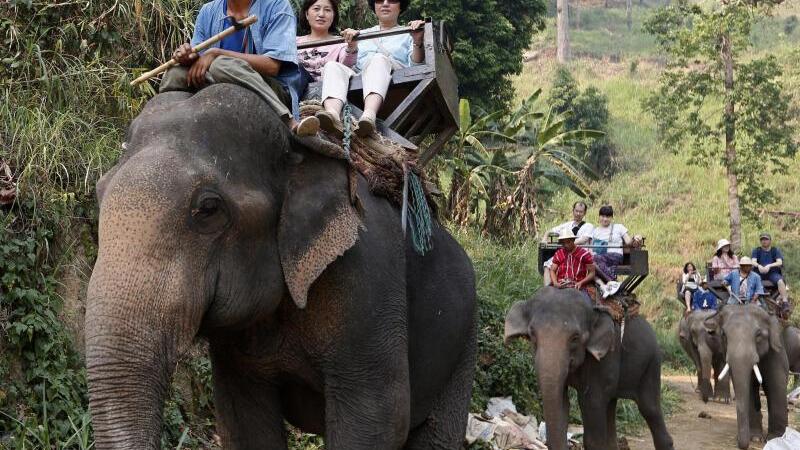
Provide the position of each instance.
(209, 213)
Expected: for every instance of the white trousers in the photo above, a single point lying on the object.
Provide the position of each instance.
(375, 78)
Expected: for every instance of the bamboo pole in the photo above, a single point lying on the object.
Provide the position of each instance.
(246, 22)
(358, 37)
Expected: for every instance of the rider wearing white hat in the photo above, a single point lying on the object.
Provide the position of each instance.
(573, 266)
(745, 285)
(724, 261)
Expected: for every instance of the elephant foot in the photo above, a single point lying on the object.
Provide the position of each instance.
(757, 436)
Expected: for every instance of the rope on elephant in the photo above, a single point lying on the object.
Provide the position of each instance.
(621, 306)
(390, 170)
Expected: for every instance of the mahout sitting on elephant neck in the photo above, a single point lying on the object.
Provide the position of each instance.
(216, 223)
(578, 345)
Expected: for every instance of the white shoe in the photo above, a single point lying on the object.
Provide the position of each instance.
(611, 288)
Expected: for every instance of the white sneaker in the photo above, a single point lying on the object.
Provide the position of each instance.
(611, 288)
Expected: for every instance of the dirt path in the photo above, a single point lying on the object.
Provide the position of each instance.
(690, 432)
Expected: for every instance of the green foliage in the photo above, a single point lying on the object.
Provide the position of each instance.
(489, 37)
(588, 110)
(42, 382)
(687, 103)
(500, 166)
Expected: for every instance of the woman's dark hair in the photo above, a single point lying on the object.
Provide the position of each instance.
(730, 252)
(686, 267)
(607, 210)
(579, 202)
(403, 5)
(307, 4)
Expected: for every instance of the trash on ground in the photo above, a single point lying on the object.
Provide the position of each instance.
(789, 441)
(505, 428)
(794, 396)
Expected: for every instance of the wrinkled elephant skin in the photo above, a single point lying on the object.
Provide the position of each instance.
(706, 351)
(217, 223)
(579, 346)
(753, 341)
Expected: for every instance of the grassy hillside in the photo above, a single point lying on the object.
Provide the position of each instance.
(680, 208)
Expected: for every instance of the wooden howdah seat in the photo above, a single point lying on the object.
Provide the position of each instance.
(422, 100)
(721, 292)
(634, 267)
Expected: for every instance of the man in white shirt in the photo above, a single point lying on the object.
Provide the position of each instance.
(582, 230)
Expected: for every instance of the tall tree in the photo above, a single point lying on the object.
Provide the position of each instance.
(562, 39)
(721, 105)
(489, 37)
(629, 13)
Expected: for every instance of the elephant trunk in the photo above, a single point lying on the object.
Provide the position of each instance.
(136, 326)
(741, 374)
(552, 372)
(706, 357)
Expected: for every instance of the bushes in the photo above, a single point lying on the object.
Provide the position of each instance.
(588, 110)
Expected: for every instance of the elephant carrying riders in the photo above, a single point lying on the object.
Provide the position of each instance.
(745, 285)
(572, 266)
(262, 57)
(580, 228)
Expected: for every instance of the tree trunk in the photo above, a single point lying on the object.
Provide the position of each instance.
(628, 12)
(562, 42)
(730, 147)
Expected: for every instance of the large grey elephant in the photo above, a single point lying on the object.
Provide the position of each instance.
(755, 355)
(578, 345)
(707, 353)
(217, 223)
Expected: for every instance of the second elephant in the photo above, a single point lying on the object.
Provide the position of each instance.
(707, 353)
(578, 345)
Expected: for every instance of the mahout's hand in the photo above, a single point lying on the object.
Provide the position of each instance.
(184, 55)
(197, 73)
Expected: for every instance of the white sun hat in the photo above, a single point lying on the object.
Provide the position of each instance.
(722, 243)
(566, 233)
(745, 261)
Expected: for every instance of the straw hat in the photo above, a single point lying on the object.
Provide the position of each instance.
(722, 243)
(745, 261)
(566, 234)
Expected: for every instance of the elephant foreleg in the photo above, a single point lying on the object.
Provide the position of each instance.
(649, 403)
(248, 413)
(756, 428)
(595, 424)
(775, 379)
(722, 386)
(611, 425)
(367, 412)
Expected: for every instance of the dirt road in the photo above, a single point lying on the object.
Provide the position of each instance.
(689, 432)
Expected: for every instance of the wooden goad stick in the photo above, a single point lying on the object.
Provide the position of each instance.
(246, 22)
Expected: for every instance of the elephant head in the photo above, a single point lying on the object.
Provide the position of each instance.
(213, 217)
(563, 331)
(755, 356)
(701, 344)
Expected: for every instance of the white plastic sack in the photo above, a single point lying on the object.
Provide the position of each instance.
(498, 405)
(789, 441)
(794, 396)
(513, 431)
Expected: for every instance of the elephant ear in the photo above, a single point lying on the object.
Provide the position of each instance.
(318, 223)
(518, 321)
(713, 323)
(776, 336)
(602, 336)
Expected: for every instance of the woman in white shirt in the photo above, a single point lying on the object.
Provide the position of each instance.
(608, 238)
